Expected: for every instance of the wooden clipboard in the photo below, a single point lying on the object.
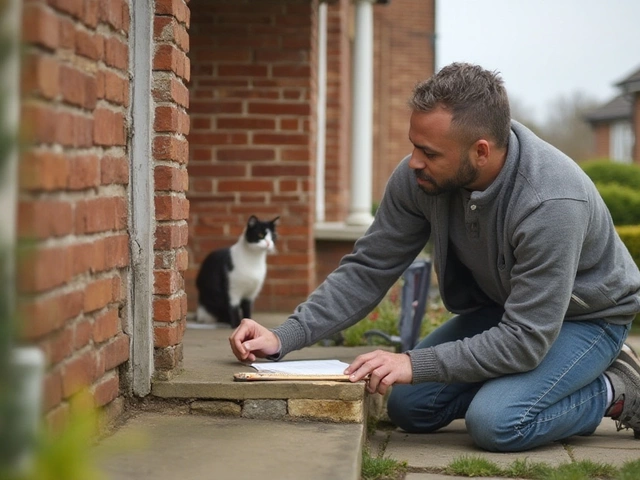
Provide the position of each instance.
(265, 376)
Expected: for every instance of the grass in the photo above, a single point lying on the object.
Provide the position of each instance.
(476, 466)
(381, 467)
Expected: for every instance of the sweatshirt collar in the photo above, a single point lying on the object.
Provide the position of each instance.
(506, 173)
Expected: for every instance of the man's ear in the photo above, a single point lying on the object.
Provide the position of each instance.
(481, 150)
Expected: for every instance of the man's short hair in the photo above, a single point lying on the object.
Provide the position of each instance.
(476, 98)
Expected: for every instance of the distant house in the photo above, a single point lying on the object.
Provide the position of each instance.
(616, 124)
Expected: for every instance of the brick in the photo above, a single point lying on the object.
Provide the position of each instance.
(38, 123)
(115, 352)
(168, 30)
(248, 123)
(101, 215)
(106, 390)
(113, 87)
(169, 58)
(87, 257)
(106, 325)
(39, 26)
(167, 88)
(84, 172)
(114, 170)
(72, 7)
(170, 179)
(108, 127)
(169, 147)
(171, 119)
(167, 309)
(42, 269)
(171, 236)
(182, 260)
(198, 171)
(177, 8)
(111, 13)
(78, 373)
(245, 154)
(98, 294)
(74, 129)
(116, 53)
(67, 33)
(41, 219)
(171, 207)
(216, 106)
(168, 336)
(279, 108)
(90, 13)
(245, 186)
(77, 88)
(167, 282)
(58, 345)
(52, 390)
(82, 333)
(42, 316)
(261, 171)
(40, 76)
(116, 251)
(89, 45)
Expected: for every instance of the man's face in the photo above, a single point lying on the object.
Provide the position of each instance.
(439, 162)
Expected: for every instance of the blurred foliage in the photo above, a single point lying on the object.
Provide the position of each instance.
(606, 171)
(385, 318)
(619, 186)
(623, 203)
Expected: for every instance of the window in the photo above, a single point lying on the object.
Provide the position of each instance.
(621, 141)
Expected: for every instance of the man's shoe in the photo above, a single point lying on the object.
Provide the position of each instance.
(624, 374)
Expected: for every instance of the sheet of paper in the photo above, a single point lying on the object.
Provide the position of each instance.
(303, 367)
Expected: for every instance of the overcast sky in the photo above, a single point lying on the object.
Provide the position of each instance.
(543, 48)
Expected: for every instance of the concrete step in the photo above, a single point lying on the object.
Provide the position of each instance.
(207, 384)
(165, 446)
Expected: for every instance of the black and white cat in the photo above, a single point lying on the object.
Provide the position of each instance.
(231, 278)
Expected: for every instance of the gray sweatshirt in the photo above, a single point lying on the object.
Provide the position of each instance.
(555, 256)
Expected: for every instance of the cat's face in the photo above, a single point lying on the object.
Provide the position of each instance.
(261, 235)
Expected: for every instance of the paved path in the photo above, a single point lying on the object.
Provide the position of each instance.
(166, 445)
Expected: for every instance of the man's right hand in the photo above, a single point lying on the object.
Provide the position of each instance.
(251, 340)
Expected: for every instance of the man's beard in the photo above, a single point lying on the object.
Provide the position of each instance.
(465, 175)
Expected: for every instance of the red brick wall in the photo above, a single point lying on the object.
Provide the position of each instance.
(601, 139)
(404, 55)
(171, 72)
(252, 145)
(73, 199)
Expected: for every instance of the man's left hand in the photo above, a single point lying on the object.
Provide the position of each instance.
(384, 368)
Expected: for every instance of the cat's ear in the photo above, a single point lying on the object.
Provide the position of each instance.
(252, 221)
(274, 220)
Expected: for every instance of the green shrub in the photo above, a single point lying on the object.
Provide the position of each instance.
(622, 201)
(630, 235)
(604, 171)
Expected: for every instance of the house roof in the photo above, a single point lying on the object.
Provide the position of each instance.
(630, 84)
(618, 108)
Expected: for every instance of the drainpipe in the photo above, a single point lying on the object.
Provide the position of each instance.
(321, 111)
(362, 116)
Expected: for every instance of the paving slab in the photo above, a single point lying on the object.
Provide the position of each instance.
(606, 445)
(439, 449)
(162, 446)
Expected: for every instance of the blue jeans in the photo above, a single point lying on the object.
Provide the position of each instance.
(564, 395)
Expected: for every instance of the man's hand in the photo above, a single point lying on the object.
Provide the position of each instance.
(384, 368)
(251, 340)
